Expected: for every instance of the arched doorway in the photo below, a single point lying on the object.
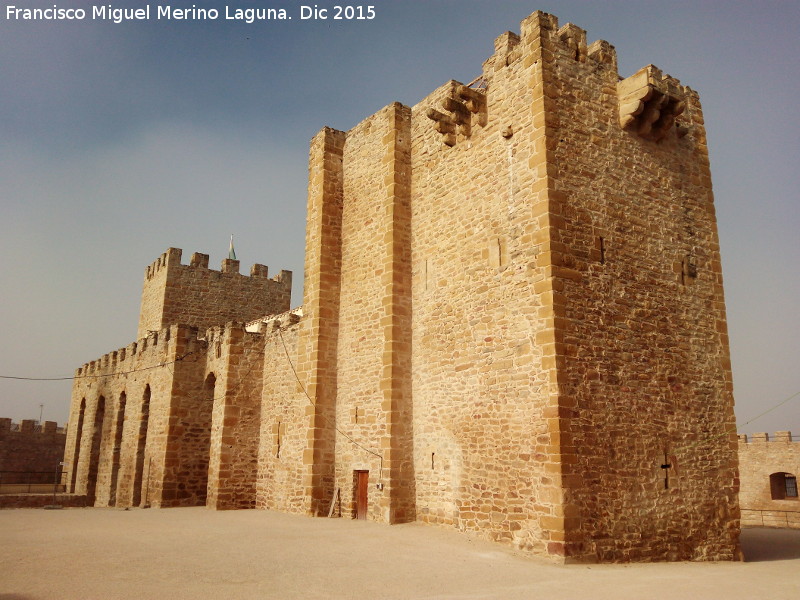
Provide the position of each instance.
(202, 430)
(115, 457)
(139, 482)
(94, 455)
(76, 455)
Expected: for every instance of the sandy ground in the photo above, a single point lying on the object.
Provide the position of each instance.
(108, 554)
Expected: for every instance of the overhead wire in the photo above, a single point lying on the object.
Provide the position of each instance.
(312, 403)
(735, 428)
(114, 374)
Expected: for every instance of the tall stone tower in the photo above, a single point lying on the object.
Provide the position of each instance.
(514, 309)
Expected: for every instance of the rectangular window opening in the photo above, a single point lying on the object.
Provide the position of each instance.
(791, 486)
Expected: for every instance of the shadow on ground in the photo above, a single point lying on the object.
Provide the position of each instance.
(763, 544)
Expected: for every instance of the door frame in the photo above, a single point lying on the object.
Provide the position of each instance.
(360, 494)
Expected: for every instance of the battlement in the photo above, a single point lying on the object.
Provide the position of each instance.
(195, 295)
(30, 426)
(172, 257)
(569, 38)
(649, 103)
(30, 451)
(762, 438)
(153, 348)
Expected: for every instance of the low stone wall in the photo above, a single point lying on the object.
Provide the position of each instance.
(31, 488)
(771, 518)
(42, 500)
(28, 448)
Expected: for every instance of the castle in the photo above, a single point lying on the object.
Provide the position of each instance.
(513, 324)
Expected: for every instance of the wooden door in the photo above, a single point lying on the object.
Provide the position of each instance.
(362, 485)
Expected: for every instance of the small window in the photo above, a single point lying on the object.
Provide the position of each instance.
(791, 486)
(783, 486)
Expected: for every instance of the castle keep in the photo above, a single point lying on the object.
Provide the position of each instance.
(513, 324)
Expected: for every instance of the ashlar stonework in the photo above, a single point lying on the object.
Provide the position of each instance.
(513, 324)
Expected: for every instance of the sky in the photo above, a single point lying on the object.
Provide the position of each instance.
(119, 140)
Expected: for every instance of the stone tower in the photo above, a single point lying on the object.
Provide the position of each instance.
(200, 297)
(514, 300)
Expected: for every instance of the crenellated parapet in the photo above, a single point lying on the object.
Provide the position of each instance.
(458, 110)
(762, 438)
(769, 465)
(153, 348)
(198, 260)
(574, 39)
(506, 51)
(169, 258)
(30, 451)
(571, 38)
(650, 104)
(30, 426)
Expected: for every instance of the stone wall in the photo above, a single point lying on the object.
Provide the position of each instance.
(29, 448)
(237, 361)
(131, 410)
(764, 463)
(285, 410)
(197, 296)
(640, 339)
(482, 449)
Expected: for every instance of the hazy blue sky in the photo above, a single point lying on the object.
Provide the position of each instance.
(120, 140)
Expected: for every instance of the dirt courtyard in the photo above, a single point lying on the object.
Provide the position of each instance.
(107, 554)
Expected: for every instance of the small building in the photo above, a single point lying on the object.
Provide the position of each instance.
(768, 471)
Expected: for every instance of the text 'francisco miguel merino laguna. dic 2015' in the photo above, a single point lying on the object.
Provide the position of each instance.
(107, 12)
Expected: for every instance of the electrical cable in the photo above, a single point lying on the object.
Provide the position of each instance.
(735, 428)
(164, 364)
(312, 403)
(769, 410)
